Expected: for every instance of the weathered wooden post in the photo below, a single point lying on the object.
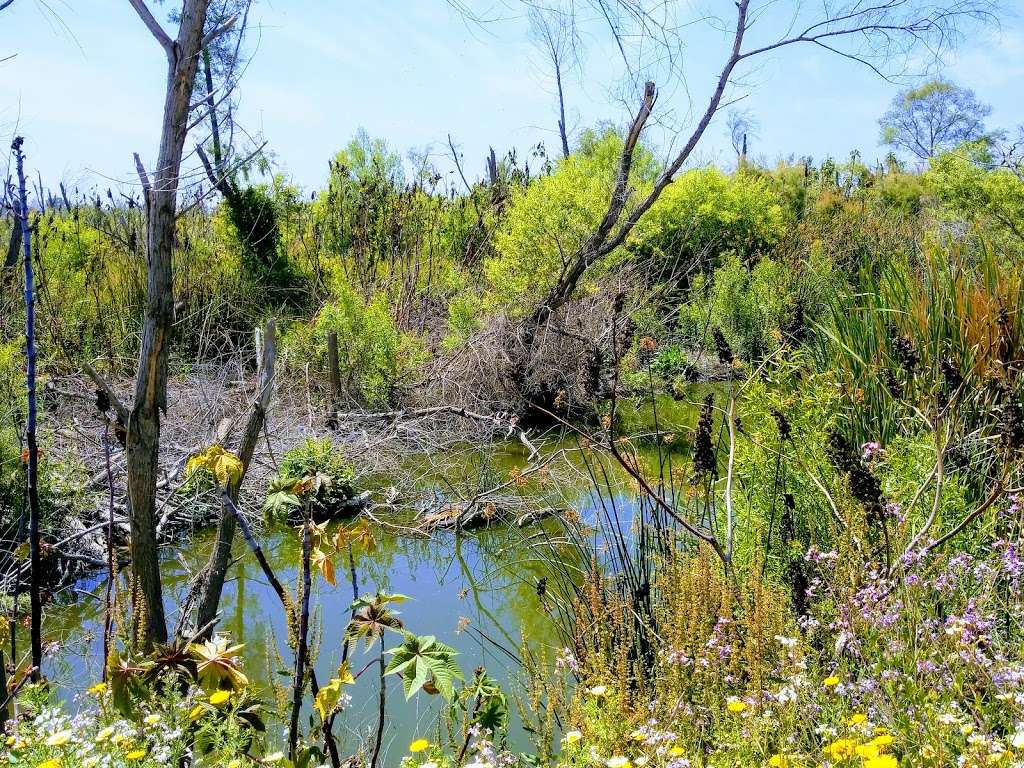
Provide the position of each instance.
(334, 370)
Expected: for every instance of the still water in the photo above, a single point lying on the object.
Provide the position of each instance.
(474, 590)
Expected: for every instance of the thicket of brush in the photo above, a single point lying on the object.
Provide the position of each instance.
(830, 577)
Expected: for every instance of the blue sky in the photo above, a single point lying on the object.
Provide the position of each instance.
(85, 86)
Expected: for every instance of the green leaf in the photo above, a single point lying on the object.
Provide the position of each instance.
(421, 660)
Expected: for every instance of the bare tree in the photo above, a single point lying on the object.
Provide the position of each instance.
(1010, 152)
(880, 35)
(161, 198)
(553, 32)
(741, 125)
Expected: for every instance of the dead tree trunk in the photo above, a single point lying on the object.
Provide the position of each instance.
(143, 438)
(220, 559)
(596, 245)
(554, 33)
(562, 131)
(615, 226)
(879, 29)
(32, 463)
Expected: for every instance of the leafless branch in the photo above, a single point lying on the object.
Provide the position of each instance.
(153, 25)
(147, 189)
(219, 30)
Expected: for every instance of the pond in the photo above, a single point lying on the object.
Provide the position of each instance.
(475, 590)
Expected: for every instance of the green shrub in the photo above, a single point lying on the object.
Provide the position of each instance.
(255, 213)
(751, 306)
(704, 215)
(464, 318)
(60, 482)
(971, 191)
(903, 191)
(373, 356)
(670, 362)
(549, 220)
(316, 472)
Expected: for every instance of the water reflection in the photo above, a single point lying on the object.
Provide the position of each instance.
(476, 591)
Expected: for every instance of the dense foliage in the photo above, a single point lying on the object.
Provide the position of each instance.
(813, 560)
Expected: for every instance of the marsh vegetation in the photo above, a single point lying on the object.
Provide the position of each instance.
(602, 459)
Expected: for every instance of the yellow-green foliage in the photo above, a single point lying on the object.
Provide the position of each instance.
(751, 306)
(968, 190)
(705, 213)
(901, 191)
(854, 233)
(98, 305)
(93, 285)
(12, 404)
(810, 404)
(374, 356)
(464, 318)
(791, 183)
(549, 220)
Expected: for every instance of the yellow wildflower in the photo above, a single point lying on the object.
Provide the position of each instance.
(51, 763)
(882, 740)
(135, 754)
(882, 761)
(196, 713)
(97, 689)
(831, 681)
(676, 752)
(152, 719)
(58, 739)
(571, 737)
(735, 705)
(840, 749)
(867, 751)
(104, 734)
(857, 719)
(219, 697)
(778, 761)
(419, 745)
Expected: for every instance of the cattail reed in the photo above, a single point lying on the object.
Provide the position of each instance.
(785, 429)
(725, 353)
(704, 460)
